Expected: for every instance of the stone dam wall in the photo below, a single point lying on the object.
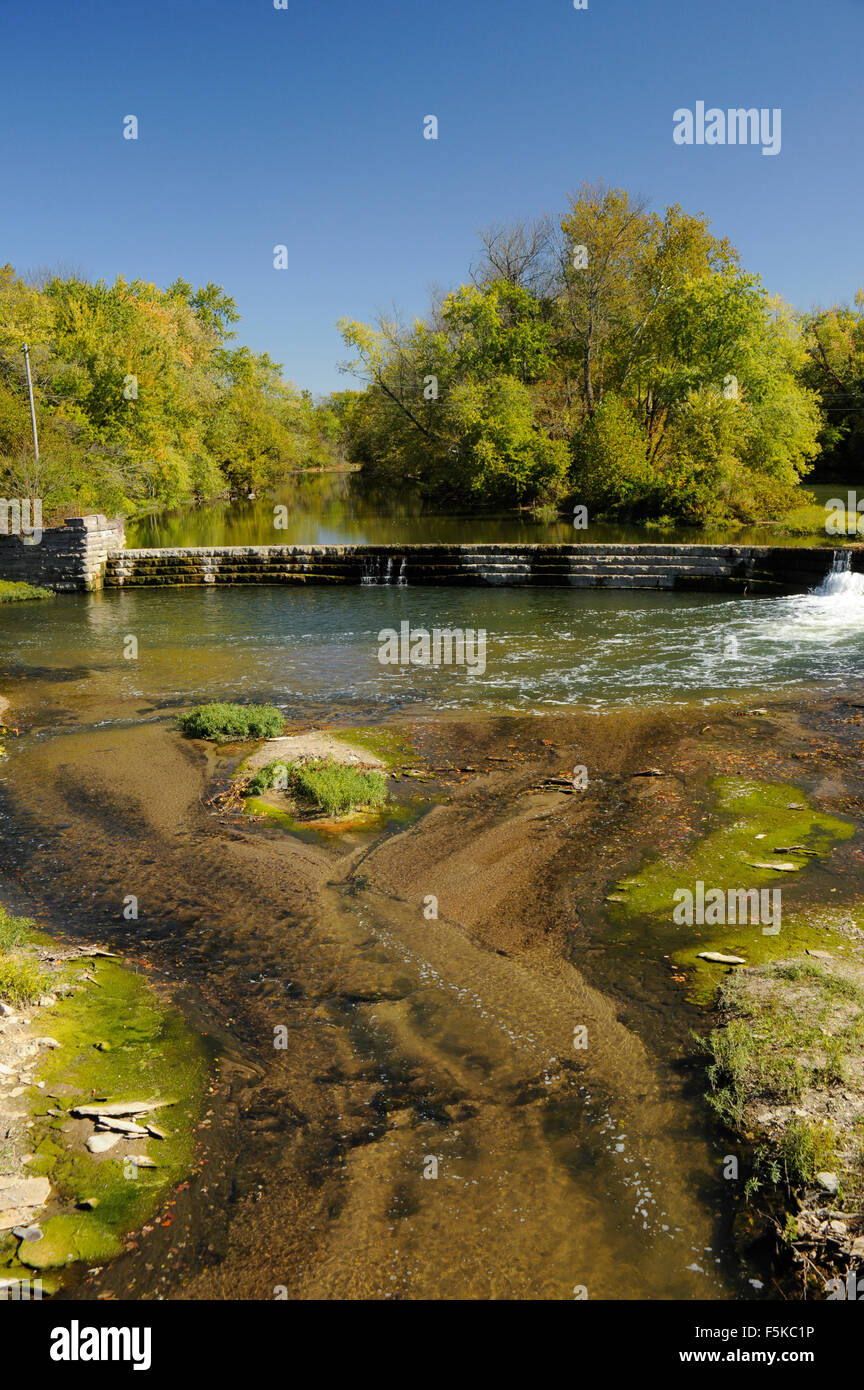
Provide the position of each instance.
(89, 552)
(733, 569)
(71, 556)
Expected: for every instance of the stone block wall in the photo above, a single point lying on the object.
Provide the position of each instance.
(71, 556)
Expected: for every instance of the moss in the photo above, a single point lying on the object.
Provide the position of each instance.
(152, 1055)
(390, 745)
(70, 1239)
(11, 591)
(146, 1053)
(643, 905)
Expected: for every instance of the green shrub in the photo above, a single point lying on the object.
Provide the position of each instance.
(336, 787)
(226, 723)
(22, 980)
(13, 930)
(11, 591)
(806, 1149)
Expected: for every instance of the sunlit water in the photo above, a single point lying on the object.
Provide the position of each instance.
(544, 648)
(612, 1182)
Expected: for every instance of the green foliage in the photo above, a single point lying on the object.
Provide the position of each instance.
(140, 399)
(14, 591)
(21, 979)
(227, 723)
(806, 1149)
(631, 339)
(13, 930)
(335, 787)
(610, 459)
(834, 340)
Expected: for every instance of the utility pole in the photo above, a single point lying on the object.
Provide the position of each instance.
(32, 406)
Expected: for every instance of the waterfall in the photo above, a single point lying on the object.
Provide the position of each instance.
(377, 572)
(403, 573)
(840, 582)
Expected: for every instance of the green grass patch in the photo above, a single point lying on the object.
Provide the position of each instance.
(790, 1034)
(806, 1149)
(227, 723)
(13, 930)
(11, 591)
(22, 979)
(335, 788)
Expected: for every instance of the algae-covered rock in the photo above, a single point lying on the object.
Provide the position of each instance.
(67, 1240)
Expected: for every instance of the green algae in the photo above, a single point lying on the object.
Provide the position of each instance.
(390, 745)
(394, 814)
(756, 819)
(70, 1239)
(151, 1055)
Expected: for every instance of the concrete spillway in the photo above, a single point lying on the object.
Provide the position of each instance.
(730, 568)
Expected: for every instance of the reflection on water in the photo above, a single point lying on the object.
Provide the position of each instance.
(341, 509)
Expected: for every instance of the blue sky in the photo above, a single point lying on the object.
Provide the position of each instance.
(304, 127)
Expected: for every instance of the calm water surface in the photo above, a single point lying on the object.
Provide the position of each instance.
(340, 509)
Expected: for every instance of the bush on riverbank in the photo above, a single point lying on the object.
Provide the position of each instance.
(22, 980)
(227, 723)
(787, 1077)
(336, 788)
(13, 591)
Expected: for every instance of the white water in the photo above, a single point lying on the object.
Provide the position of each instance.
(840, 582)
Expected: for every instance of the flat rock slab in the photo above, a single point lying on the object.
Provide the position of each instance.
(24, 1192)
(115, 1109)
(19, 1197)
(300, 746)
(100, 1143)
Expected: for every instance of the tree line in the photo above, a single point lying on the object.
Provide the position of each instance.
(615, 357)
(142, 399)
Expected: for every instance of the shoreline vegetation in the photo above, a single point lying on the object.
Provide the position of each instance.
(101, 1086)
(613, 358)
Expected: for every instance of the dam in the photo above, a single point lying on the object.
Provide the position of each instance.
(90, 552)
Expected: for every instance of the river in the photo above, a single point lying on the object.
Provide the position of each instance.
(429, 1132)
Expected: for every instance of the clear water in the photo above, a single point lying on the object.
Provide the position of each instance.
(613, 1184)
(544, 648)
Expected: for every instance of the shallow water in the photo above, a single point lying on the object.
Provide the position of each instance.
(544, 648)
(409, 1042)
